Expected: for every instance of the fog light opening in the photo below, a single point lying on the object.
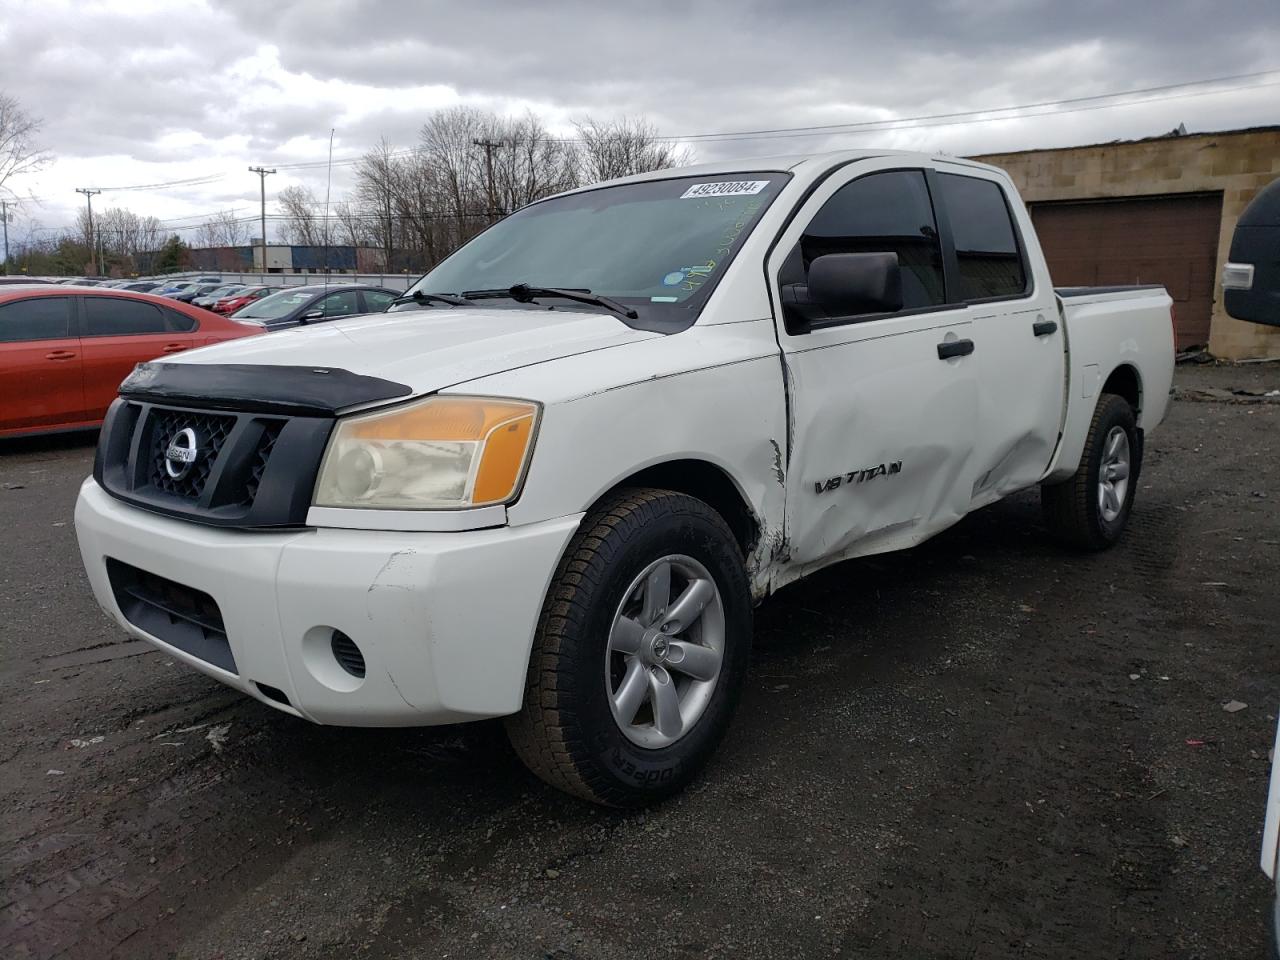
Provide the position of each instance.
(347, 654)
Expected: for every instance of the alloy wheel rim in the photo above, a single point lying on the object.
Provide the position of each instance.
(666, 648)
(1113, 474)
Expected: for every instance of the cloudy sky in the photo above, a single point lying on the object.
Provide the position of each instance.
(137, 92)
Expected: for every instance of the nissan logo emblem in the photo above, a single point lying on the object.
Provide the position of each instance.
(181, 453)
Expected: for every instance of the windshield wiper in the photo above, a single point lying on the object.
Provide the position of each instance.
(419, 297)
(523, 293)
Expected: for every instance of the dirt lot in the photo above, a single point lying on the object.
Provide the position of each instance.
(986, 747)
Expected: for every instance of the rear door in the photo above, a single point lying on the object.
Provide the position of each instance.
(883, 422)
(40, 364)
(118, 333)
(1020, 346)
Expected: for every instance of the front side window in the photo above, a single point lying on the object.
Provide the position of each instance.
(40, 318)
(657, 246)
(987, 251)
(116, 316)
(885, 212)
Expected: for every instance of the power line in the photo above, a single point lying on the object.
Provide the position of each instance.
(897, 121)
(188, 182)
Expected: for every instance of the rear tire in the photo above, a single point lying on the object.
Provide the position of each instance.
(1090, 509)
(640, 653)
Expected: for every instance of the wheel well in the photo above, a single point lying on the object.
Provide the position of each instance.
(1124, 382)
(708, 483)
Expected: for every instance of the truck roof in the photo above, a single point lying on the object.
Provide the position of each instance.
(786, 163)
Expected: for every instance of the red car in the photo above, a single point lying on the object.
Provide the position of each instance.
(241, 298)
(64, 350)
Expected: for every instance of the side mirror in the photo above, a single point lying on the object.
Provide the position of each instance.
(311, 315)
(1251, 277)
(845, 284)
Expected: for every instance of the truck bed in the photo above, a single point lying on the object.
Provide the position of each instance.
(1071, 292)
(1109, 328)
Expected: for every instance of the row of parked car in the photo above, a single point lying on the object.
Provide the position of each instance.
(272, 307)
(65, 346)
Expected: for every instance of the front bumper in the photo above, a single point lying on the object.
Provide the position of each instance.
(445, 621)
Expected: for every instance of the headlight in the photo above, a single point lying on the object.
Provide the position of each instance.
(440, 453)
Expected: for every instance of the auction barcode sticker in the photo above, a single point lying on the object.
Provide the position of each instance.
(725, 188)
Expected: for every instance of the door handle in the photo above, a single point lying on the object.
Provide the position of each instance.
(948, 349)
(60, 355)
(174, 347)
(1042, 328)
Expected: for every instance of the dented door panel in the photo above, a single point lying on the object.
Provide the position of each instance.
(884, 430)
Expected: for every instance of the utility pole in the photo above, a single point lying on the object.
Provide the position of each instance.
(4, 215)
(262, 173)
(93, 250)
(489, 146)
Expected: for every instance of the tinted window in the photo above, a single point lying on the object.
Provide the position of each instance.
(341, 304)
(178, 322)
(883, 213)
(986, 244)
(41, 318)
(115, 316)
(376, 300)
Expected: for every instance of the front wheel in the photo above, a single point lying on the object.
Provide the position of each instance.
(1090, 508)
(640, 652)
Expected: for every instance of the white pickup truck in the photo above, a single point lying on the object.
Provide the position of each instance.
(550, 483)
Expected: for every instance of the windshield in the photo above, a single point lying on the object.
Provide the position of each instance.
(657, 245)
(277, 304)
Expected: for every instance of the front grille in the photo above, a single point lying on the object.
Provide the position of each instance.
(248, 470)
(261, 455)
(181, 616)
(210, 431)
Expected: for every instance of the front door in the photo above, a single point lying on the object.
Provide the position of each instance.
(40, 365)
(884, 406)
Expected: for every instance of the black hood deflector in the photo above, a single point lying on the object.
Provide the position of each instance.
(258, 388)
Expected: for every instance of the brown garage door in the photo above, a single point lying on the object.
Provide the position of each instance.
(1168, 240)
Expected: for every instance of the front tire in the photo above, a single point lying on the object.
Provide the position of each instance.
(640, 653)
(1090, 509)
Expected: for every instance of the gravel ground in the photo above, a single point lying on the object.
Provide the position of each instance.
(984, 747)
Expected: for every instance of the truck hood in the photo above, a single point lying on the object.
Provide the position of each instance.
(429, 350)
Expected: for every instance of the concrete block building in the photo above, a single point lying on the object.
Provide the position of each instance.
(1159, 210)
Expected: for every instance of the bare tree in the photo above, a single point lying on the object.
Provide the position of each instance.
(301, 224)
(19, 151)
(376, 176)
(530, 164)
(149, 232)
(470, 165)
(620, 148)
(350, 227)
(223, 229)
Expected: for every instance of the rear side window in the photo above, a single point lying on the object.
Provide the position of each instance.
(115, 316)
(178, 322)
(987, 249)
(885, 212)
(40, 318)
